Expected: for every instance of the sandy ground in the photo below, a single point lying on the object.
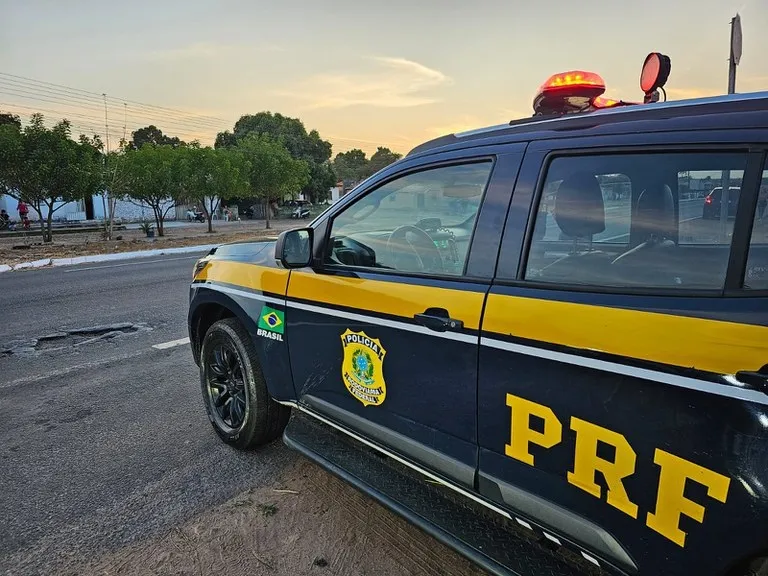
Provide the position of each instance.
(21, 249)
(308, 522)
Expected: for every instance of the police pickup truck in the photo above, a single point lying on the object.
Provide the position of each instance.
(526, 339)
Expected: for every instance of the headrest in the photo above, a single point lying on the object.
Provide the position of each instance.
(655, 213)
(579, 209)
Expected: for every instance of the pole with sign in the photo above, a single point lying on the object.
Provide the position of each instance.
(735, 56)
(733, 61)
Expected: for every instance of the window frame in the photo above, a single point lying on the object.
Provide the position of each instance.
(490, 158)
(746, 213)
(733, 283)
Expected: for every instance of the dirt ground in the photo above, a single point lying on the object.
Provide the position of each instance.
(306, 523)
(25, 249)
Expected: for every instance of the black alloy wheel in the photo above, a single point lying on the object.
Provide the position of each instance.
(235, 392)
(226, 386)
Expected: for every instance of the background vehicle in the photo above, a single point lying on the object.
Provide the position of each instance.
(711, 210)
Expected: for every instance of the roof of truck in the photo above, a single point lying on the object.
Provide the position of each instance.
(717, 112)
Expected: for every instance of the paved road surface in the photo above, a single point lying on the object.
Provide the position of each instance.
(106, 442)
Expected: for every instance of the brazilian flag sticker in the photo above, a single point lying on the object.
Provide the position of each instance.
(271, 323)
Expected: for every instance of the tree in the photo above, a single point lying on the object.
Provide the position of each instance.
(273, 173)
(153, 135)
(8, 119)
(211, 176)
(321, 179)
(301, 145)
(45, 167)
(154, 175)
(351, 165)
(382, 158)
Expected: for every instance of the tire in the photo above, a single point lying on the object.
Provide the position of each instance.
(758, 567)
(242, 392)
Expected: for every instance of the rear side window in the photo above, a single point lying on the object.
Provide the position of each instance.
(756, 276)
(656, 220)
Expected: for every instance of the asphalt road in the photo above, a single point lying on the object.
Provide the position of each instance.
(104, 441)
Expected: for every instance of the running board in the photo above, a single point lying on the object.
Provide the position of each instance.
(496, 544)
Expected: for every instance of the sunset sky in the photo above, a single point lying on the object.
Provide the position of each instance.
(362, 73)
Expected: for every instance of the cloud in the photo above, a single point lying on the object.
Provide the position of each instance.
(394, 83)
(687, 93)
(460, 124)
(202, 50)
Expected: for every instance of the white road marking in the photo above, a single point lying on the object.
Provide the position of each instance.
(130, 264)
(171, 344)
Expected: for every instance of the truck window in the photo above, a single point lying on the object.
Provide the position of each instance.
(421, 222)
(663, 230)
(756, 274)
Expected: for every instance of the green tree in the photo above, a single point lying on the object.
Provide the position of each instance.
(351, 165)
(322, 178)
(155, 176)
(211, 176)
(153, 135)
(302, 145)
(382, 158)
(6, 119)
(274, 173)
(45, 167)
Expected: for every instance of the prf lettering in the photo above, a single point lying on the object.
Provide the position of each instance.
(535, 425)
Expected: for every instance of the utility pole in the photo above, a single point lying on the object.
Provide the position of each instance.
(105, 199)
(735, 55)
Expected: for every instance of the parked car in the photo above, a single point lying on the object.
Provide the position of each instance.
(570, 406)
(712, 201)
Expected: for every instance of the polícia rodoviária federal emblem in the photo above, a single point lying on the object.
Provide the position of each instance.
(362, 368)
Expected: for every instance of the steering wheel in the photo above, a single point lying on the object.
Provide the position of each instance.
(412, 250)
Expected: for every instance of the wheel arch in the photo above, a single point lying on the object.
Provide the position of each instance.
(208, 306)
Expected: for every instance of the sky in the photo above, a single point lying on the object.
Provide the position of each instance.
(364, 74)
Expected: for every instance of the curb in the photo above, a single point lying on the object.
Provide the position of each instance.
(105, 257)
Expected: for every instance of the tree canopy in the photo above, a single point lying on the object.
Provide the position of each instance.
(211, 176)
(353, 166)
(300, 144)
(153, 135)
(153, 175)
(46, 168)
(8, 119)
(274, 172)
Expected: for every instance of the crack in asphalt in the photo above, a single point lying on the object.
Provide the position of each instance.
(71, 338)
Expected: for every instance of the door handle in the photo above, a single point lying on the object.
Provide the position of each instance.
(438, 319)
(757, 380)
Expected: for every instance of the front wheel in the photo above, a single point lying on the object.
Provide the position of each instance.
(234, 390)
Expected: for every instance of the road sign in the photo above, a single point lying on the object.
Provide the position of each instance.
(736, 39)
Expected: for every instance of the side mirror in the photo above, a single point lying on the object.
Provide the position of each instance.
(294, 248)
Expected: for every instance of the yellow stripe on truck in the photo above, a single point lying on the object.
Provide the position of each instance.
(709, 345)
(263, 278)
(392, 298)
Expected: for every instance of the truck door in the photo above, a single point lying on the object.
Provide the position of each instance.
(617, 351)
(383, 335)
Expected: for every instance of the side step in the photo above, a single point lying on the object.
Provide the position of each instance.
(489, 540)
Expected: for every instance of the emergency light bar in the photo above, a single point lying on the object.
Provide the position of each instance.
(582, 91)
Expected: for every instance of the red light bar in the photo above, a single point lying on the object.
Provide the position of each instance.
(601, 102)
(572, 81)
(568, 92)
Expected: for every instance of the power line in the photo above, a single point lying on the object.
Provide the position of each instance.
(94, 94)
(67, 100)
(88, 106)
